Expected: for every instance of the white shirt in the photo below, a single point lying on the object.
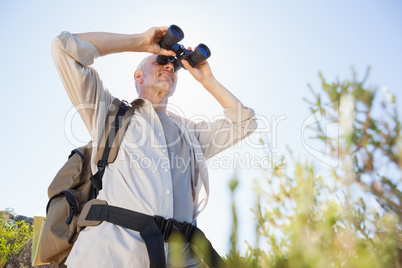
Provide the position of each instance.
(137, 180)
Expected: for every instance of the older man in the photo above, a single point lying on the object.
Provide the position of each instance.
(174, 182)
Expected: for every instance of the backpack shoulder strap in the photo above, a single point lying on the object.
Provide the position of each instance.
(117, 120)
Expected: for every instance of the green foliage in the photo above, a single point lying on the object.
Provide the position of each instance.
(13, 236)
(343, 216)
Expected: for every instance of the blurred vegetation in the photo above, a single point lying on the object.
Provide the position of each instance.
(311, 214)
(14, 238)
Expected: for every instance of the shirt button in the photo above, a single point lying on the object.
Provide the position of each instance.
(160, 134)
(163, 150)
(168, 192)
(166, 170)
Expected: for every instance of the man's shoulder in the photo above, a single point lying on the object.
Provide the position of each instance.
(180, 119)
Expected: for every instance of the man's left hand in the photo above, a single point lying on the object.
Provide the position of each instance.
(201, 72)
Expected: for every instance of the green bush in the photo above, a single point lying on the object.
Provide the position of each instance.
(13, 236)
(350, 215)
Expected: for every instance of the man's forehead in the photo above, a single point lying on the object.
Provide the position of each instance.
(150, 59)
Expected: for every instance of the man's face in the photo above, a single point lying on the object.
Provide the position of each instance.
(159, 77)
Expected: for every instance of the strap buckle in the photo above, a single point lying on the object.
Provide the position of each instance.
(169, 226)
(166, 228)
(124, 104)
(116, 124)
(101, 164)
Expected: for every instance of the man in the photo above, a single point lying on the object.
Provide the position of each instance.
(174, 181)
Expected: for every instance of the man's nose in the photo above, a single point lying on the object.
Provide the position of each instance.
(169, 66)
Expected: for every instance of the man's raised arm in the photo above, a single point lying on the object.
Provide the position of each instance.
(202, 73)
(239, 121)
(108, 43)
(74, 53)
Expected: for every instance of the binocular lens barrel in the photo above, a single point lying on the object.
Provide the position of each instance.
(200, 53)
(162, 60)
(173, 35)
(204, 50)
(176, 33)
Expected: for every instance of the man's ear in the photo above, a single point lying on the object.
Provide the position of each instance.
(138, 76)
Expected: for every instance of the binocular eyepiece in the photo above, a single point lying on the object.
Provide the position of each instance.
(170, 42)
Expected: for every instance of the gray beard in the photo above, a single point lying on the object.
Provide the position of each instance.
(161, 89)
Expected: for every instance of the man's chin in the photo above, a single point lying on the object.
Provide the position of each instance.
(169, 92)
(166, 87)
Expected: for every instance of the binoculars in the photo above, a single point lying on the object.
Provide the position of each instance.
(170, 42)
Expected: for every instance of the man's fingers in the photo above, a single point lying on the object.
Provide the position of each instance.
(160, 33)
(159, 30)
(187, 65)
(166, 52)
(163, 28)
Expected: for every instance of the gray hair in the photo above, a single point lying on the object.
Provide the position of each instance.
(141, 67)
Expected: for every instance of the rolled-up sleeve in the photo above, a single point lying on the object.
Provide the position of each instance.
(73, 57)
(216, 136)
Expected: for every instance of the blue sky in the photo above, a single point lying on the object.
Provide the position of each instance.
(265, 52)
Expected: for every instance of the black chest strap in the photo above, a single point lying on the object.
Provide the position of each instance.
(154, 230)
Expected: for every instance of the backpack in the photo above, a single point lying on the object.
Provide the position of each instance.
(72, 205)
(74, 185)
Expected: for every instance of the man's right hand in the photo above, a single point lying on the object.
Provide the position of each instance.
(151, 39)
